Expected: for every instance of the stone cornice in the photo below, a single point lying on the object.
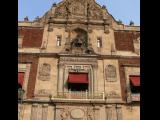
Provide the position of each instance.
(85, 55)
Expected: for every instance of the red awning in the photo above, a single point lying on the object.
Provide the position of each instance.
(20, 78)
(78, 78)
(135, 80)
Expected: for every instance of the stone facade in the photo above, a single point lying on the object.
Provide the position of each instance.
(78, 36)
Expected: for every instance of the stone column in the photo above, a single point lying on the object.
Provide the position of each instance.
(111, 113)
(95, 81)
(34, 112)
(44, 111)
(90, 87)
(60, 77)
(119, 112)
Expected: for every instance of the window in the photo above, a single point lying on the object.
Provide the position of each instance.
(20, 40)
(99, 42)
(135, 84)
(59, 38)
(135, 88)
(20, 79)
(78, 81)
(20, 84)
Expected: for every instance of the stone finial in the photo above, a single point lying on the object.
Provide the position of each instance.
(37, 18)
(104, 7)
(119, 21)
(131, 23)
(54, 4)
(26, 19)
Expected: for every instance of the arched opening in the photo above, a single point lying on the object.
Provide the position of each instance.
(79, 38)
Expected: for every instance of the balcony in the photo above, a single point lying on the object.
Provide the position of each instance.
(76, 95)
(135, 97)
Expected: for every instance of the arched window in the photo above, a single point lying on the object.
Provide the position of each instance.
(110, 72)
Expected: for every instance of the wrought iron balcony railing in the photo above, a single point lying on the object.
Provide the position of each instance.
(135, 97)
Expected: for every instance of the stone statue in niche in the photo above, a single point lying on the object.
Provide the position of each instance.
(44, 72)
(110, 73)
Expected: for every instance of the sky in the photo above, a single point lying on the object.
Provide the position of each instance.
(124, 10)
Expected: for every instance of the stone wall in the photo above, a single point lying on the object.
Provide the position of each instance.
(46, 80)
(33, 60)
(45, 111)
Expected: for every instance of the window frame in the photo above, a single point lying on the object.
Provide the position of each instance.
(58, 40)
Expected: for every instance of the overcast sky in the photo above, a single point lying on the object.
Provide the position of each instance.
(124, 10)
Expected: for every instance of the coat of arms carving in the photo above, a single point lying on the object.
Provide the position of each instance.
(44, 72)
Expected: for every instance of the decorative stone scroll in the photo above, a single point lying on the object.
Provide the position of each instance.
(90, 114)
(110, 72)
(44, 72)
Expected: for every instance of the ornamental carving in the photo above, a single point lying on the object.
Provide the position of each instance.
(43, 92)
(90, 113)
(71, 59)
(64, 114)
(77, 113)
(79, 9)
(44, 72)
(113, 94)
(110, 72)
(113, 112)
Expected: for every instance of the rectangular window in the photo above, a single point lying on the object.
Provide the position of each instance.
(20, 79)
(59, 39)
(99, 42)
(78, 81)
(135, 84)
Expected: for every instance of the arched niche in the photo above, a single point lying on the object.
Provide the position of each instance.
(79, 38)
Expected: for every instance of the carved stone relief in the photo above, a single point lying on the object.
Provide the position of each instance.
(73, 59)
(77, 43)
(110, 72)
(42, 93)
(44, 72)
(90, 113)
(77, 113)
(113, 94)
(79, 9)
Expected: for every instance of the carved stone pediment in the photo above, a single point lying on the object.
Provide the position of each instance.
(79, 9)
